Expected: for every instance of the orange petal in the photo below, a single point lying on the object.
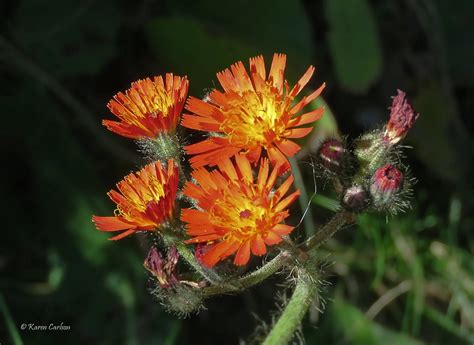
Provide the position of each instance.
(241, 77)
(258, 246)
(203, 146)
(298, 132)
(257, 65)
(199, 107)
(287, 201)
(244, 167)
(284, 187)
(227, 167)
(126, 130)
(190, 215)
(200, 123)
(254, 154)
(214, 157)
(304, 119)
(111, 223)
(122, 235)
(277, 70)
(263, 173)
(301, 104)
(214, 255)
(282, 229)
(278, 159)
(243, 254)
(302, 82)
(272, 238)
(288, 147)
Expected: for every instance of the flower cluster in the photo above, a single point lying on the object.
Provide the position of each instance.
(237, 200)
(229, 203)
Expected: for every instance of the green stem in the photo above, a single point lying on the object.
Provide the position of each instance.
(251, 279)
(10, 323)
(290, 319)
(340, 219)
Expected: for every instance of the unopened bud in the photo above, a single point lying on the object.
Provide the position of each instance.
(402, 118)
(163, 269)
(355, 199)
(331, 155)
(386, 182)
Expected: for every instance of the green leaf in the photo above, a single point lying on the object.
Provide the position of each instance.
(354, 44)
(351, 325)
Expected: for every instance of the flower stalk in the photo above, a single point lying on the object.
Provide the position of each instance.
(290, 320)
(338, 221)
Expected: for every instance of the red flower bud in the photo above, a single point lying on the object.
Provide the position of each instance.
(402, 118)
(163, 269)
(331, 155)
(386, 182)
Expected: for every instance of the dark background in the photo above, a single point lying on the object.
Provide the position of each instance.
(61, 61)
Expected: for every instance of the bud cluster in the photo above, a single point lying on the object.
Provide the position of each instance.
(370, 176)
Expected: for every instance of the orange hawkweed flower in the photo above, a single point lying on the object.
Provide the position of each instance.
(145, 200)
(236, 213)
(149, 107)
(252, 113)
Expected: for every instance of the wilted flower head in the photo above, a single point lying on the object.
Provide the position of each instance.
(237, 214)
(149, 107)
(163, 269)
(386, 182)
(402, 118)
(144, 200)
(254, 112)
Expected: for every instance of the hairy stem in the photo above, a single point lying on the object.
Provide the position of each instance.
(188, 255)
(290, 319)
(251, 279)
(340, 219)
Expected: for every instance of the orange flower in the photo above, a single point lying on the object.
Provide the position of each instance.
(252, 113)
(149, 107)
(144, 201)
(237, 214)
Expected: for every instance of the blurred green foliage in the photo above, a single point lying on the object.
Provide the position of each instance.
(405, 280)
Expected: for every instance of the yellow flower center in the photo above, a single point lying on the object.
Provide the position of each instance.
(139, 196)
(254, 118)
(146, 99)
(245, 216)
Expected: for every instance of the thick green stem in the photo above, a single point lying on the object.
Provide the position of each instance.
(340, 219)
(251, 279)
(290, 319)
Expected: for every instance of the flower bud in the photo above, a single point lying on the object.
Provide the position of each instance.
(163, 269)
(331, 155)
(355, 199)
(386, 182)
(402, 118)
